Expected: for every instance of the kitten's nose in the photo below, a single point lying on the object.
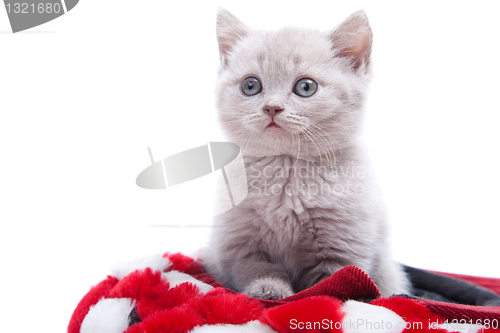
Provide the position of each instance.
(272, 110)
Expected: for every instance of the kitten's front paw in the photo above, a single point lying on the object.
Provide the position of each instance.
(269, 288)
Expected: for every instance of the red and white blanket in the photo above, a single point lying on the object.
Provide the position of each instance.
(172, 293)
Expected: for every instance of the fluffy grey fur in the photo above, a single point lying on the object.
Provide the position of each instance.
(313, 207)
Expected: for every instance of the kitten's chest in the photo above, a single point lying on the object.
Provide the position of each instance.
(289, 193)
(306, 213)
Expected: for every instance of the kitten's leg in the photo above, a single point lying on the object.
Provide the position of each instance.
(390, 278)
(269, 288)
(236, 260)
(260, 278)
(237, 256)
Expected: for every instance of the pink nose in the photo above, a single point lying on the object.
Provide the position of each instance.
(272, 110)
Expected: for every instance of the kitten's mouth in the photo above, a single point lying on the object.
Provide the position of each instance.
(272, 124)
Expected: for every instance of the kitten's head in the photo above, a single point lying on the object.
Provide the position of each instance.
(293, 91)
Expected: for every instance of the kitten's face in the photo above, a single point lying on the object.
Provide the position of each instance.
(294, 91)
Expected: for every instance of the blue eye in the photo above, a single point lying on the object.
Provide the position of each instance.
(305, 87)
(251, 86)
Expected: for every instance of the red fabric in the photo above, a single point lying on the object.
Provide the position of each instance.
(93, 296)
(215, 307)
(352, 283)
(177, 320)
(152, 293)
(179, 309)
(408, 309)
(467, 312)
(348, 283)
(219, 307)
(452, 311)
(305, 315)
(417, 316)
(183, 264)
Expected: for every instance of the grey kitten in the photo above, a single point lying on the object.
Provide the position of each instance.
(292, 99)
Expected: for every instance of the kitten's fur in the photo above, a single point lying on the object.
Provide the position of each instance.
(276, 242)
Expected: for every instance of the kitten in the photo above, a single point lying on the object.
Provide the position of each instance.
(293, 101)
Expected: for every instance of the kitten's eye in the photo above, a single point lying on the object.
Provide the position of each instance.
(251, 86)
(305, 87)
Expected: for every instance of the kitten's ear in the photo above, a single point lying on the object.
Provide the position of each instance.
(353, 40)
(229, 31)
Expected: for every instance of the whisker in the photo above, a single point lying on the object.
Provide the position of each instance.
(322, 143)
(304, 130)
(340, 147)
(324, 137)
(239, 134)
(298, 149)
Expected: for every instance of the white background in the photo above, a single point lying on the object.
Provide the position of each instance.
(82, 97)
